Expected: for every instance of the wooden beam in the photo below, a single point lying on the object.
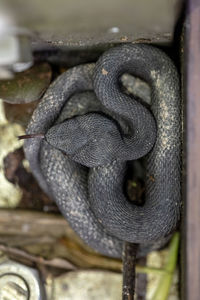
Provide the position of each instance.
(192, 204)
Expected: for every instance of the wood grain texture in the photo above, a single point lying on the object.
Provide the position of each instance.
(192, 207)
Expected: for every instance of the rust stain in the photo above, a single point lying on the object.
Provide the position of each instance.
(124, 38)
(142, 40)
(130, 297)
(151, 177)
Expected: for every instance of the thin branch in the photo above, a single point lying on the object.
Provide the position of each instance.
(56, 262)
(129, 265)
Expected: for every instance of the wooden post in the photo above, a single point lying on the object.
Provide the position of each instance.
(192, 178)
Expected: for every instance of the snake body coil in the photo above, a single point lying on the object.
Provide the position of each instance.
(92, 199)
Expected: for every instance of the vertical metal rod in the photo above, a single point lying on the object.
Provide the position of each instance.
(129, 262)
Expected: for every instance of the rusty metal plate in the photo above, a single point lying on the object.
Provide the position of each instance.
(78, 23)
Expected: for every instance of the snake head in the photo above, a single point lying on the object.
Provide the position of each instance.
(91, 139)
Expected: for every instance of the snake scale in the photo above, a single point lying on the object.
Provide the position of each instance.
(82, 161)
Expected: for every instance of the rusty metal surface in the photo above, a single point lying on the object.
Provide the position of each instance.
(78, 23)
(192, 207)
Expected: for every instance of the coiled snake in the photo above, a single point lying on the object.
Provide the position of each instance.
(82, 160)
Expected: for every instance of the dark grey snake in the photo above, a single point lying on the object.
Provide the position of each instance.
(86, 176)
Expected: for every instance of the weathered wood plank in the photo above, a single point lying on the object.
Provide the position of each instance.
(192, 206)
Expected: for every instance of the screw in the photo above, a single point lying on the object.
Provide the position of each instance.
(20, 282)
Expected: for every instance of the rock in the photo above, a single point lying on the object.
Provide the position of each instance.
(26, 86)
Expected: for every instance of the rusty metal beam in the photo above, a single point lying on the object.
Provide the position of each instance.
(192, 205)
(91, 23)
